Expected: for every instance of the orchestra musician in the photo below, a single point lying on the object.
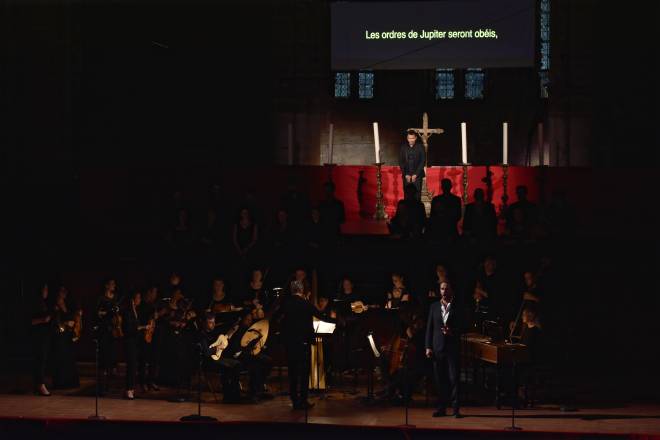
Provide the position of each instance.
(148, 340)
(108, 329)
(257, 365)
(40, 338)
(131, 329)
(441, 276)
(398, 294)
(404, 363)
(442, 341)
(65, 370)
(220, 301)
(255, 295)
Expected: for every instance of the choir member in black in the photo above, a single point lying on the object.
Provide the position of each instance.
(40, 336)
(147, 355)
(132, 332)
(65, 370)
(315, 237)
(410, 217)
(480, 222)
(412, 160)
(220, 301)
(522, 215)
(442, 342)
(245, 235)
(441, 276)
(107, 331)
(298, 333)
(332, 214)
(257, 365)
(445, 214)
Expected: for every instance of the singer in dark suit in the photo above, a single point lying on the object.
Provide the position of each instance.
(412, 159)
(443, 339)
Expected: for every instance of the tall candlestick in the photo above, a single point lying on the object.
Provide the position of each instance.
(464, 142)
(290, 144)
(330, 143)
(376, 142)
(505, 143)
(540, 133)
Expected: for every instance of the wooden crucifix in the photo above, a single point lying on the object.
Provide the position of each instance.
(425, 133)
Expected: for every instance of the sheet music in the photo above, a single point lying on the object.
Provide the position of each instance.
(323, 327)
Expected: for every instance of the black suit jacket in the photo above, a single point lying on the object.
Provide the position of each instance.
(435, 339)
(419, 162)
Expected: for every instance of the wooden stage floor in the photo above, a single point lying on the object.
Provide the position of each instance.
(339, 409)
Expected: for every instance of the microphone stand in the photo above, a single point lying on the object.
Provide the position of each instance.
(96, 415)
(405, 389)
(199, 417)
(514, 401)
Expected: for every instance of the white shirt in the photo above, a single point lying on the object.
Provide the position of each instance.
(445, 311)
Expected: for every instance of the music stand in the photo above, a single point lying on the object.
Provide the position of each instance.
(321, 328)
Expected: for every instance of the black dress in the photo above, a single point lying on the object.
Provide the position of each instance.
(40, 336)
(130, 324)
(107, 343)
(65, 370)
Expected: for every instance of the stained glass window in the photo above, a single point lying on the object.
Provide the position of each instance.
(342, 85)
(366, 85)
(474, 83)
(444, 84)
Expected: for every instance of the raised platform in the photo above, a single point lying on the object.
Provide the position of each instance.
(338, 416)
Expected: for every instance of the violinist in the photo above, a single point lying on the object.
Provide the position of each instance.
(148, 341)
(40, 336)
(65, 370)
(107, 330)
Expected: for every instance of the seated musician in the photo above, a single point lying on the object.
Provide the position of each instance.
(404, 362)
(398, 294)
(220, 301)
(255, 296)
(531, 331)
(531, 336)
(441, 276)
(347, 291)
(323, 306)
(236, 359)
(532, 292)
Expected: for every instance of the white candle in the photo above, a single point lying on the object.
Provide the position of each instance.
(464, 142)
(505, 143)
(290, 144)
(330, 134)
(376, 142)
(540, 133)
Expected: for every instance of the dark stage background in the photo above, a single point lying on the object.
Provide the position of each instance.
(108, 107)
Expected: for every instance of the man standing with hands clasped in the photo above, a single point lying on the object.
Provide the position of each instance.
(412, 159)
(443, 345)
